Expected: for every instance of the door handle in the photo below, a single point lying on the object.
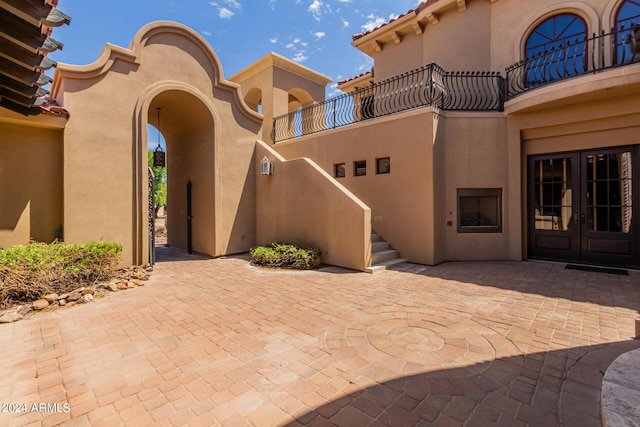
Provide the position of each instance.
(583, 218)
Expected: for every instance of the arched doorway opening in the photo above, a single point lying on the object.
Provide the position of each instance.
(188, 128)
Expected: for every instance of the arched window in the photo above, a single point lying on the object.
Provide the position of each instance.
(555, 49)
(628, 14)
(627, 18)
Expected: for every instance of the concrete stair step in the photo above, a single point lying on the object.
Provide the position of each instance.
(382, 256)
(376, 268)
(379, 246)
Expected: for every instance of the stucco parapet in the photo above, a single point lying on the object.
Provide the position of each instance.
(608, 84)
(112, 53)
(274, 60)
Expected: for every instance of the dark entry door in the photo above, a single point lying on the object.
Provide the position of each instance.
(581, 206)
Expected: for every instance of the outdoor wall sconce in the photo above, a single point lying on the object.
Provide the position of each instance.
(158, 154)
(267, 166)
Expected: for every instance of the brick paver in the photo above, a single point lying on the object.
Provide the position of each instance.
(218, 342)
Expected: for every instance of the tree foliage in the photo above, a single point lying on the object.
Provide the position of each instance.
(160, 186)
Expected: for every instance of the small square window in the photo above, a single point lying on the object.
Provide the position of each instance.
(339, 170)
(383, 165)
(360, 168)
(479, 210)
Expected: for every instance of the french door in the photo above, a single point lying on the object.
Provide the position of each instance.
(585, 206)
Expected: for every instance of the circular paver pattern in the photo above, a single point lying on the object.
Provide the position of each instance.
(394, 340)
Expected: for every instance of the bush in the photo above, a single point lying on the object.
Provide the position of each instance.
(278, 255)
(29, 271)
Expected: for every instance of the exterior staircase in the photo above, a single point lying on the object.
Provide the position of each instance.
(382, 255)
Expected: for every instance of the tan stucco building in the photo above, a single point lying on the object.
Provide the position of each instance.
(485, 131)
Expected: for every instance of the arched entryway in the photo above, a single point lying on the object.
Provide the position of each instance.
(188, 126)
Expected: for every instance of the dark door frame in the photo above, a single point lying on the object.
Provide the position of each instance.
(575, 240)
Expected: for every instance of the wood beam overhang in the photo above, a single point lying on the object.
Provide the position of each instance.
(25, 27)
(19, 55)
(20, 109)
(18, 73)
(32, 11)
(21, 99)
(21, 88)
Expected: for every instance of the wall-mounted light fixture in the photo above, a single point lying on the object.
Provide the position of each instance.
(158, 154)
(267, 166)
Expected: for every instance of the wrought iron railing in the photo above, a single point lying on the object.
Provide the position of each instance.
(574, 58)
(431, 85)
(424, 86)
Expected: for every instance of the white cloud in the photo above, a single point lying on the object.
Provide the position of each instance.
(273, 40)
(299, 57)
(393, 16)
(374, 22)
(319, 34)
(206, 33)
(225, 13)
(316, 9)
(345, 23)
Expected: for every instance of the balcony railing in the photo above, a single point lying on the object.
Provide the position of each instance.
(575, 58)
(429, 85)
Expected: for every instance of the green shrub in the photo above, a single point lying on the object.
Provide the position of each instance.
(29, 271)
(278, 255)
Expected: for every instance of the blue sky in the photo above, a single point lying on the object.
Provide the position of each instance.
(315, 33)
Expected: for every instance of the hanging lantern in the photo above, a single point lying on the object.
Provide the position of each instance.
(158, 154)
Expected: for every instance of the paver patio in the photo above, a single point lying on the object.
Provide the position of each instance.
(218, 342)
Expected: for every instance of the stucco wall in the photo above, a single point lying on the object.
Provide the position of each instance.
(30, 183)
(402, 202)
(476, 158)
(110, 101)
(302, 204)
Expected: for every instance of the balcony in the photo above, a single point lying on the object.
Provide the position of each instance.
(431, 85)
(574, 58)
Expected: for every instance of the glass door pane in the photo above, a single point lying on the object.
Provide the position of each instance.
(553, 194)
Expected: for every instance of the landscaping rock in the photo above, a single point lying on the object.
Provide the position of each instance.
(130, 284)
(87, 297)
(88, 292)
(112, 287)
(40, 304)
(122, 286)
(10, 317)
(62, 302)
(51, 297)
(74, 296)
(137, 282)
(24, 309)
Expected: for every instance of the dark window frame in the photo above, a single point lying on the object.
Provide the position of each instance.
(477, 193)
(378, 169)
(355, 168)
